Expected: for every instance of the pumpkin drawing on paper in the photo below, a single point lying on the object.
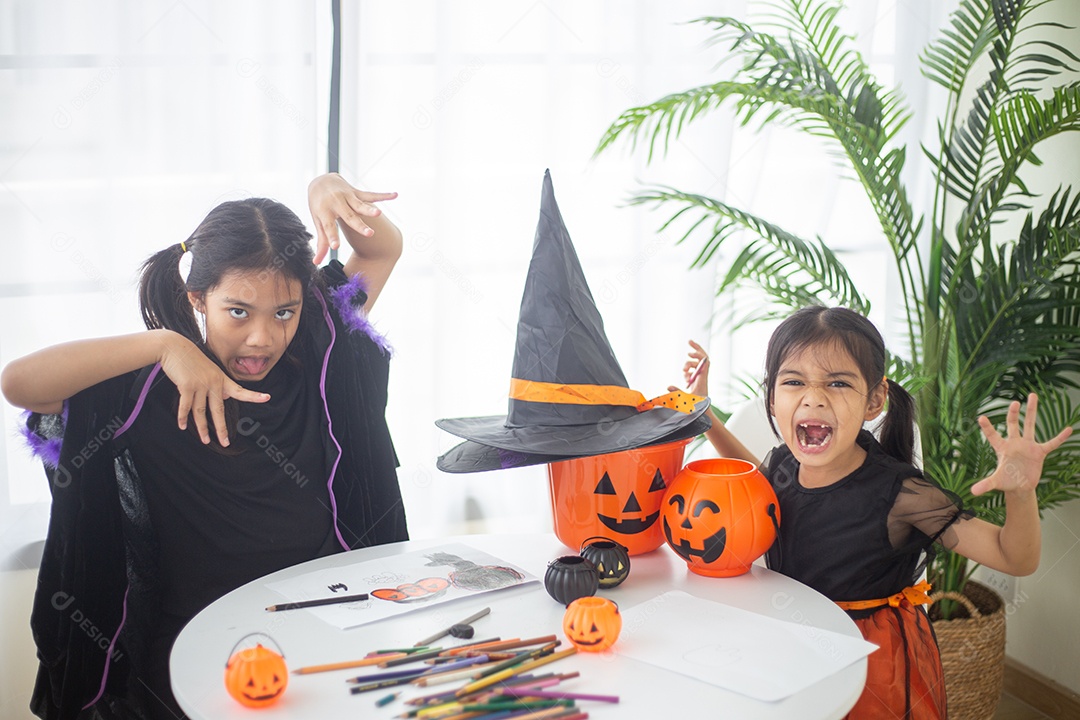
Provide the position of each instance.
(422, 590)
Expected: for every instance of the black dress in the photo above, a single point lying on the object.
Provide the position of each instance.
(148, 526)
(865, 537)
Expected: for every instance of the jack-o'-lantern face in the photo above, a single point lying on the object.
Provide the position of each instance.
(701, 530)
(617, 496)
(419, 591)
(612, 560)
(719, 516)
(592, 624)
(622, 512)
(256, 677)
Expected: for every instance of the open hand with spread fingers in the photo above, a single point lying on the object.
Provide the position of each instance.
(1020, 456)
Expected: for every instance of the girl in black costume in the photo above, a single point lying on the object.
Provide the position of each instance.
(241, 433)
(858, 520)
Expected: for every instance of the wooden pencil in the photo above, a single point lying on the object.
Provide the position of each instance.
(348, 664)
(556, 695)
(503, 644)
(515, 670)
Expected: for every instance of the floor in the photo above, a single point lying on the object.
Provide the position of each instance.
(1012, 709)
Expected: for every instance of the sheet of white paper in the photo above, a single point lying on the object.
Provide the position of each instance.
(737, 650)
(401, 583)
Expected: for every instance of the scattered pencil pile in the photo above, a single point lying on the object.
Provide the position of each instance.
(498, 680)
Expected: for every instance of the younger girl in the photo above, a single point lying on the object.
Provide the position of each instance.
(858, 520)
(241, 433)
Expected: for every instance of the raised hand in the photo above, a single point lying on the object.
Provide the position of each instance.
(203, 388)
(696, 371)
(331, 198)
(1020, 457)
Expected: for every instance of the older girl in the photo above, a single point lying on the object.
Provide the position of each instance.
(241, 433)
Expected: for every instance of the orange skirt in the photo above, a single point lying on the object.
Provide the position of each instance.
(904, 678)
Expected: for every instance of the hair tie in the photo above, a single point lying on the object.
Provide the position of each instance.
(183, 247)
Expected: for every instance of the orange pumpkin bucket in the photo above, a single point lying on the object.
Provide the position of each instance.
(720, 516)
(617, 496)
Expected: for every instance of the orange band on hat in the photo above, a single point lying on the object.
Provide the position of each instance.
(569, 394)
(914, 595)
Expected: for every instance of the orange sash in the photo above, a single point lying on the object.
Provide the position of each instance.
(914, 595)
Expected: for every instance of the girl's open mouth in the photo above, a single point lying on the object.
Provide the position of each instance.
(252, 366)
(812, 436)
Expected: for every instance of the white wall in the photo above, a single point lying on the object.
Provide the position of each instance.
(18, 666)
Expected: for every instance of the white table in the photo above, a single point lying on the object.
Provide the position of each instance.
(646, 691)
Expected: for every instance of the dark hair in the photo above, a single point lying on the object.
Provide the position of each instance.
(257, 235)
(817, 325)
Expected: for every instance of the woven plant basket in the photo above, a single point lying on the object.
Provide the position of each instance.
(972, 651)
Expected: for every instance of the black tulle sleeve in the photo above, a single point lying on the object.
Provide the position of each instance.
(924, 506)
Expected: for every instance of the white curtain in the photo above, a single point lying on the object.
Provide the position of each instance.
(125, 123)
(464, 110)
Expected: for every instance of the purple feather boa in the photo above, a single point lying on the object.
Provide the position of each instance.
(46, 449)
(356, 319)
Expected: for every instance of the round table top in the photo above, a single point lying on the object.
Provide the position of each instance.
(645, 690)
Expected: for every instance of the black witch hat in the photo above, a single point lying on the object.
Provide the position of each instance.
(568, 395)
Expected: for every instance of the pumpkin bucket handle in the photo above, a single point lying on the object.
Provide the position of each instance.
(958, 597)
(254, 634)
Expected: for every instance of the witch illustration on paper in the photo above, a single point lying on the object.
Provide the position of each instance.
(568, 396)
(471, 576)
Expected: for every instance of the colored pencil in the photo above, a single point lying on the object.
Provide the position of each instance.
(516, 660)
(444, 676)
(388, 675)
(357, 689)
(402, 650)
(417, 672)
(517, 705)
(503, 644)
(511, 671)
(697, 372)
(467, 621)
(412, 657)
(437, 652)
(558, 695)
(348, 664)
(518, 680)
(387, 699)
(315, 603)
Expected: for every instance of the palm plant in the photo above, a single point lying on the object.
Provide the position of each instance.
(988, 317)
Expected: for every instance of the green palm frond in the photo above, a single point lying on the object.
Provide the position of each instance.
(964, 153)
(991, 313)
(949, 59)
(1017, 319)
(1024, 121)
(792, 270)
(1040, 61)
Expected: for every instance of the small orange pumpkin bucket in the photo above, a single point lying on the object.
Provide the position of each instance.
(617, 496)
(719, 516)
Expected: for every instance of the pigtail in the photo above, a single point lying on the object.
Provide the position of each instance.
(163, 295)
(898, 427)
